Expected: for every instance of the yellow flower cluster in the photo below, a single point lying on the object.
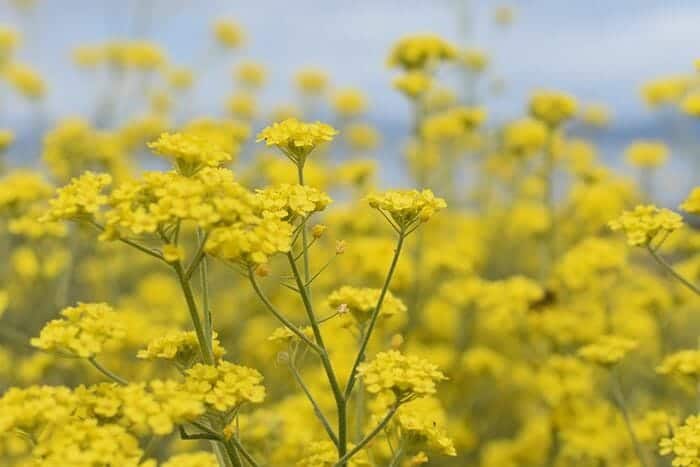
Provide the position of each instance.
(182, 347)
(20, 188)
(416, 421)
(136, 55)
(85, 443)
(7, 137)
(296, 139)
(290, 202)
(525, 136)
(361, 302)
(643, 224)
(251, 243)
(691, 104)
(647, 154)
(552, 107)
(225, 386)
(155, 407)
(81, 199)
(413, 83)
(250, 74)
(349, 102)
(84, 330)
(665, 90)
(24, 79)
(421, 51)
(607, 350)
(453, 123)
(692, 203)
(324, 454)
(190, 152)
(228, 34)
(474, 60)
(681, 363)
(407, 207)
(684, 445)
(208, 198)
(311, 81)
(407, 377)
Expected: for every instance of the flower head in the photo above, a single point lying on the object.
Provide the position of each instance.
(421, 51)
(692, 203)
(607, 350)
(297, 139)
(551, 107)
(406, 376)
(407, 208)
(190, 152)
(647, 154)
(84, 330)
(81, 199)
(361, 302)
(643, 224)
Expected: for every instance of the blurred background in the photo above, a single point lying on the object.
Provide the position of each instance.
(599, 51)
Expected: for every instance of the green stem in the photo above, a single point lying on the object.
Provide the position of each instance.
(325, 360)
(117, 379)
(317, 408)
(232, 454)
(371, 435)
(204, 285)
(207, 354)
(375, 314)
(672, 271)
(246, 455)
(622, 405)
(304, 235)
(272, 309)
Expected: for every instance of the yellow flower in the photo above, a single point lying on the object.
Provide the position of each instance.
(242, 105)
(296, 139)
(407, 208)
(84, 330)
(361, 302)
(421, 51)
(291, 201)
(684, 445)
(311, 81)
(229, 34)
(607, 350)
(690, 105)
(225, 386)
(647, 154)
(190, 152)
(413, 83)
(596, 115)
(552, 107)
(525, 136)
(6, 139)
(349, 102)
(180, 346)
(406, 376)
(25, 80)
(645, 223)
(474, 60)
(81, 199)
(692, 203)
(250, 74)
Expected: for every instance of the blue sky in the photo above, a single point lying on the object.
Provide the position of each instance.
(599, 50)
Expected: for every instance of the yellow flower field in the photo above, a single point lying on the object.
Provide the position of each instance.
(243, 288)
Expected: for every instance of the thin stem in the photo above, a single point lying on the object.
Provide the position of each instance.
(373, 319)
(327, 366)
(672, 271)
(149, 251)
(199, 256)
(271, 308)
(233, 454)
(246, 455)
(117, 379)
(204, 285)
(371, 434)
(206, 351)
(304, 235)
(317, 409)
(622, 405)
